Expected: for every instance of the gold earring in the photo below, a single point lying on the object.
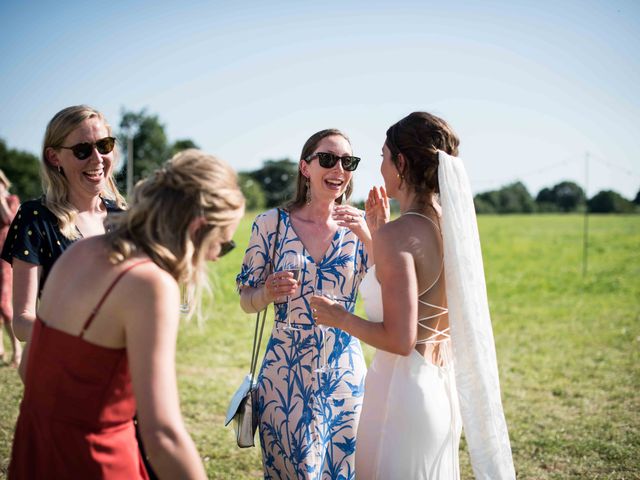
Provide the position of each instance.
(308, 195)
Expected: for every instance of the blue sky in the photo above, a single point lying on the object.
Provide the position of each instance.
(530, 87)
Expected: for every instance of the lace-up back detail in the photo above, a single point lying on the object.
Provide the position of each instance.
(437, 336)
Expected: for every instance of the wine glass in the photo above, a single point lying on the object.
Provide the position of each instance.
(185, 299)
(291, 262)
(328, 294)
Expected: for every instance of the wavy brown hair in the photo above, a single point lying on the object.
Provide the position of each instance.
(54, 183)
(418, 137)
(310, 145)
(190, 185)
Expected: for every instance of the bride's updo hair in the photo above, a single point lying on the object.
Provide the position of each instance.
(190, 185)
(418, 137)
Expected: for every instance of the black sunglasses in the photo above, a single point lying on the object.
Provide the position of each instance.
(82, 151)
(329, 160)
(226, 247)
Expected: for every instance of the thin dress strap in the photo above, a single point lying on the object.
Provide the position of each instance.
(106, 294)
(439, 335)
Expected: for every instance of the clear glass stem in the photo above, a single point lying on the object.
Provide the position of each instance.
(324, 348)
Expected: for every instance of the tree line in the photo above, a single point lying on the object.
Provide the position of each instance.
(565, 197)
(274, 182)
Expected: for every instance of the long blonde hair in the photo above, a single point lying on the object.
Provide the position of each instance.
(54, 183)
(190, 185)
(4, 180)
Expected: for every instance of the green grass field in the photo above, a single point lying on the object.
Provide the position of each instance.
(568, 350)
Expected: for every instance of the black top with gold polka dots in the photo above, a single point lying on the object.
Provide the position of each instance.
(34, 237)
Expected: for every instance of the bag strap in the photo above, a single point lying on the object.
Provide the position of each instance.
(262, 314)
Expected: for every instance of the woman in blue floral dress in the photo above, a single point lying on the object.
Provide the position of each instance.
(309, 417)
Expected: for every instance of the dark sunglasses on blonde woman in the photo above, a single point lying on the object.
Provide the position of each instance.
(226, 247)
(82, 151)
(329, 160)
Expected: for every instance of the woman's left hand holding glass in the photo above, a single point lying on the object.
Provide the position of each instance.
(280, 284)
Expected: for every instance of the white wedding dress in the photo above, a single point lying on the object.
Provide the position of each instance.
(410, 424)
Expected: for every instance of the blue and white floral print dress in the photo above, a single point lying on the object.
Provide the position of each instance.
(308, 420)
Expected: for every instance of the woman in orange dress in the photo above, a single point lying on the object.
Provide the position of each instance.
(104, 339)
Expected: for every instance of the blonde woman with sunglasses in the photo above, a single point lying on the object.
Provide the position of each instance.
(105, 336)
(78, 159)
(311, 383)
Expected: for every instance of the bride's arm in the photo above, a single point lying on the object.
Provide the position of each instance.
(397, 333)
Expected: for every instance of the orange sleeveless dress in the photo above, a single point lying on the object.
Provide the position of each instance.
(76, 416)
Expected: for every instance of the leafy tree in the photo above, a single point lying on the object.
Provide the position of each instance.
(513, 198)
(252, 191)
(277, 179)
(564, 197)
(23, 171)
(568, 196)
(182, 144)
(487, 202)
(637, 199)
(545, 196)
(546, 201)
(483, 205)
(150, 147)
(608, 201)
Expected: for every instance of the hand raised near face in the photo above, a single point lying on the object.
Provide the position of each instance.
(377, 208)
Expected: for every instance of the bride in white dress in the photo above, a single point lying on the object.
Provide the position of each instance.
(410, 412)
(427, 308)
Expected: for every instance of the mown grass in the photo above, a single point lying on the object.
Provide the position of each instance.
(568, 350)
